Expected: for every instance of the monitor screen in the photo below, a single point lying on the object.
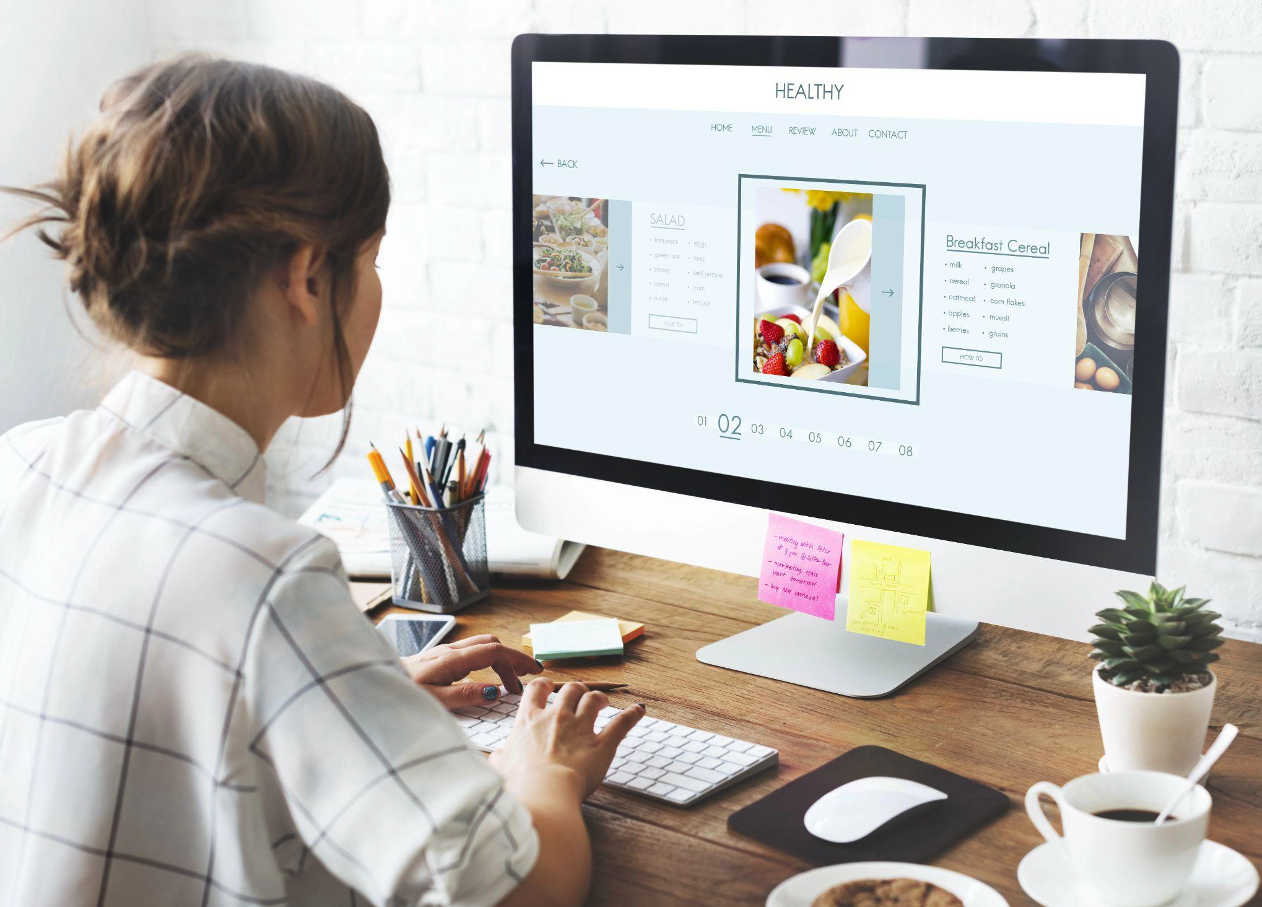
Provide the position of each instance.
(912, 286)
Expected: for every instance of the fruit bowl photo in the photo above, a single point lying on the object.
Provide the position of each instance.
(788, 324)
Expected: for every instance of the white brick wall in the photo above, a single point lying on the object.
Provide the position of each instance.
(435, 75)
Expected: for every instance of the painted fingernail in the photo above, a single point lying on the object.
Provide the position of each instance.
(490, 692)
(538, 666)
(641, 705)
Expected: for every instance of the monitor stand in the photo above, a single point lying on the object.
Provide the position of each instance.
(812, 652)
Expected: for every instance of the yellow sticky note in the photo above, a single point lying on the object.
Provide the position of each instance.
(889, 591)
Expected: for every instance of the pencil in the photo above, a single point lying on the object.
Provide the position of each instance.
(595, 685)
(407, 458)
(418, 495)
(383, 474)
(460, 471)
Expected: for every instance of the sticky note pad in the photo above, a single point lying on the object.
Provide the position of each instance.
(800, 566)
(628, 628)
(576, 639)
(889, 591)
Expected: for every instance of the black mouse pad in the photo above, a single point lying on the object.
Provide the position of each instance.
(776, 819)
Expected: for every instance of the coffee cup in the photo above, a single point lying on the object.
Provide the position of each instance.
(581, 306)
(782, 283)
(1125, 862)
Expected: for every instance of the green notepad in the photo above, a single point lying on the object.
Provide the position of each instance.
(576, 639)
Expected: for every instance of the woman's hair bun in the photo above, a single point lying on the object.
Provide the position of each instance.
(198, 176)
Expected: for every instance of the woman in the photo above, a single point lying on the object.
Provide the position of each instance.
(193, 711)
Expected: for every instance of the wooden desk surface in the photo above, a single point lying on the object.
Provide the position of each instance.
(1010, 709)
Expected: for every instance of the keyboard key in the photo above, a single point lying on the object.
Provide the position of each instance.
(653, 773)
(638, 731)
(692, 784)
(739, 746)
(678, 766)
(690, 758)
(708, 762)
(497, 744)
(655, 736)
(608, 712)
(466, 722)
(680, 795)
(759, 751)
(700, 736)
(720, 740)
(649, 747)
(658, 762)
(741, 758)
(641, 783)
(646, 721)
(618, 778)
(661, 789)
(484, 740)
(694, 747)
(670, 752)
(636, 756)
(715, 751)
(728, 768)
(511, 697)
(704, 774)
(676, 740)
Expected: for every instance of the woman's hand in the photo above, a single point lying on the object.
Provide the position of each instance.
(439, 669)
(557, 742)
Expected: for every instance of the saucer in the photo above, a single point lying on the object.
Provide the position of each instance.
(1220, 878)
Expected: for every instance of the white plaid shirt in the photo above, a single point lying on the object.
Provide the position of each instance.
(192, 711)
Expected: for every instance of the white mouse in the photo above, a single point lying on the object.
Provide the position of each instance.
(860, 807)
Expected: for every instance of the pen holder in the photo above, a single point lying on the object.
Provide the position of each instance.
(438, 556)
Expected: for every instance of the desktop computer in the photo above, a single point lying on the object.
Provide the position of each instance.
(986, 381)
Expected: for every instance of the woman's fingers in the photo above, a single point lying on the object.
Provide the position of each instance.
(619, 724)
(462, 695)
(535, 696)
(480, 639)
(567, 700)
(590, 705)
(505, 660)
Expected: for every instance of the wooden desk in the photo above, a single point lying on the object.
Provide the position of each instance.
(1011, 709)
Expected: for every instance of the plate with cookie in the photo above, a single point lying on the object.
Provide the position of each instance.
(883, 885)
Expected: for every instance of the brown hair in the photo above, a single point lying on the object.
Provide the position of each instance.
(198, 177)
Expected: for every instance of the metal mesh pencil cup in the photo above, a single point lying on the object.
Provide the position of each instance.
(438, 556)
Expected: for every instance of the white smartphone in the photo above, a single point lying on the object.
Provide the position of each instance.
(413, 633)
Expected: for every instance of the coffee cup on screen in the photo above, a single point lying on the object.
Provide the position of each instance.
(1111, 839)
(581, 306)
(783, 283)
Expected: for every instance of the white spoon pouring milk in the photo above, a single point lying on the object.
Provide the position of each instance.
(850, 252)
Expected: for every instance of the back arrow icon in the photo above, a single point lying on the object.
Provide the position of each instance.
(888, 292)
(543, 163)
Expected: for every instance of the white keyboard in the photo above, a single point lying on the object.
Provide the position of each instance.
(668, 762)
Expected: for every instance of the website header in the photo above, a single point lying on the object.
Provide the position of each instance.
(1115, 99)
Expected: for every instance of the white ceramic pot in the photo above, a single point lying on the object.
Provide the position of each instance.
(1158, 732)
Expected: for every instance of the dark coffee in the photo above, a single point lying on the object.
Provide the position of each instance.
(1129, 815)
(782, 278)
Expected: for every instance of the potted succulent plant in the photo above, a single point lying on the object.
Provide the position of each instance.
(1153, 687)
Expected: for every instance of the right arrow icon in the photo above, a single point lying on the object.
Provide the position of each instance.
(888, 292)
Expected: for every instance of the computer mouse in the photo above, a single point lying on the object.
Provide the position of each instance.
(860, 807)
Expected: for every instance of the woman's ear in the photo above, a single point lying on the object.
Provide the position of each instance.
(301, 283)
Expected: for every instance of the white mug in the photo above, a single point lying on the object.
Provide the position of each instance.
(1127, 864)
(772, 295)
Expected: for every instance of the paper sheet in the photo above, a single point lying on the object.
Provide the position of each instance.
(800, 566)
(889, 591)
(576, 638)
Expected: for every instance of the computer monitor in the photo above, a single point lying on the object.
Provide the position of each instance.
(987, 384)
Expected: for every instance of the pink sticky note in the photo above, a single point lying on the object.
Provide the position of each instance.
(800, 566)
